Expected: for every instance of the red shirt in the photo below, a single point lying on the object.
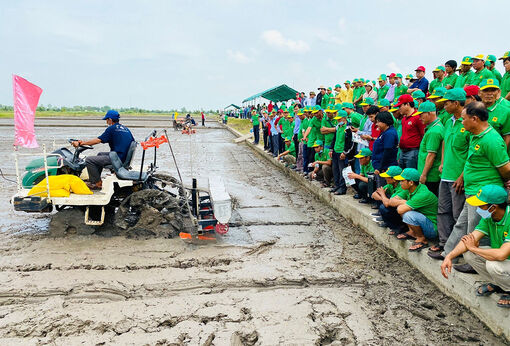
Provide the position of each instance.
(270, 108)
(375, 132)
(412, 132)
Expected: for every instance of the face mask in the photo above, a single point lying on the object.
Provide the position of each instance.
(485, 214)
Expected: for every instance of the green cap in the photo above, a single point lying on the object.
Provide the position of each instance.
(316, 109)
(489, 194)
(355, 80)
(301, 111)
(399, 75)
(338, 86)
(409, 76)
(317, 143)
(338, 107)
(373, 82)
(455, 94)
(418, 94)
(487, 63)
(439, 68)
(329, 88)
(382, 77)
(330, 109)
(410, 174)
(467, 60)
(489, 83)
(438, 93)
(391, 172)
(347, 105)
(367, 102)
(505, 56)
(383, 103)
(479, 57)
(425, 107)
(491, 57)
(347, 82)
(341, 114)
(363, 153)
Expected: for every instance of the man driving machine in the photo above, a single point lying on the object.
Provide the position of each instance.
(119, 139)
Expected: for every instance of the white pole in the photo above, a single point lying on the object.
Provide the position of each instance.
(17, 167)
(46, 170)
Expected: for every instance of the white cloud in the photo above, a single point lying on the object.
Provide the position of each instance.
(276, 39)
(237, 56)
(341, 23)
(394, 67)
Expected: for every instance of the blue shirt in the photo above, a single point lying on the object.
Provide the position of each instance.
(386, 140)
(273, 129)
(119, 138)
(297, 122)
(422, 84)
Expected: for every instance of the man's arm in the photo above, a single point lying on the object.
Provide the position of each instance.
(93, 141)
(403, 208)
(446, 266)
(506, 138)
(326, 130)
(471, 242)
(504, 171)
(395, 202)
(429, 161)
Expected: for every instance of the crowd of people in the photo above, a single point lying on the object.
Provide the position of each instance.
(431, 159)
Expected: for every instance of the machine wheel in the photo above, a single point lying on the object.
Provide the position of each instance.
(68, 222)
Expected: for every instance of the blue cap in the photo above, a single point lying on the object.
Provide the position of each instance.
(112, 114)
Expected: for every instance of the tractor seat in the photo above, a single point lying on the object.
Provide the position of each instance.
(129, 157)
(120, 169)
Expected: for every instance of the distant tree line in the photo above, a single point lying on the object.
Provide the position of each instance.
(104, 109)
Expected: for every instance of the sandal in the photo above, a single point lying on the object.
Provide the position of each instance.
(484, 290)
(504, 297)
(420, 246)
(404, 236)
(436, 248)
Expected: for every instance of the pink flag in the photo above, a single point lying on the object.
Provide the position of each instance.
(26, 98)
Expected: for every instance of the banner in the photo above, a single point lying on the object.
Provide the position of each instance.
(26, 98)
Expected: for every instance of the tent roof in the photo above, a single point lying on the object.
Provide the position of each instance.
(232, 105)
(275, 94)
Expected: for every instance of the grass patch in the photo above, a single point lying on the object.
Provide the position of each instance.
(241, 125)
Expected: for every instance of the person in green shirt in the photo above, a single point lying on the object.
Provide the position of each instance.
(326, 98)
(313, 133)
(487, 163)
(491, 263)
(389, 196)
(451, 77)
(353, 116)
(438, 73)
(454, 153)
(505, 81)
(384, 105)
(429, 155)
(307, 114)
(466, 74)
(418, 211)
(358, 92)
(383, 87)
(225, 119)
(400, 88)
(256, 127)
(321, 165)
(328, 125)
(498, 107)
(364, 192)
(289, 155)
(490, 64)
(437, 99)
(339, 153)
(481, 72)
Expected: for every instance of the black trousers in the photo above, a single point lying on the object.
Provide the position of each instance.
(433, 187)
(338, 166)
(256, 134)
(296, 144)
(392, 218)
(265, 138)
(281, 143)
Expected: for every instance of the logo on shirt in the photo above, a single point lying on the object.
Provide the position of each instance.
(477, 147)
(494, 119)
(462, 130)
(410, 123)
(479, 193)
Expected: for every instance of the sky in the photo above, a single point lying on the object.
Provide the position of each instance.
(158, 54)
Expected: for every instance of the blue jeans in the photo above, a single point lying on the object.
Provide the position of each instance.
(275, 144)
(256, 134)
(408, 159)
(415, 218)
(391, 217)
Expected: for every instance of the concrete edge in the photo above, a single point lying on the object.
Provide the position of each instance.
(459, 286)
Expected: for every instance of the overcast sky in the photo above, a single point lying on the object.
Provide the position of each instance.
(208, 54)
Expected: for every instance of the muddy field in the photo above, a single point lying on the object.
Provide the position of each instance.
(291, 271)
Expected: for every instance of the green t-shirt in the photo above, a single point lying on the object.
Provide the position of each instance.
(487, 151)
(400, 90)
(284, 123)
(389, 189)
(425, 202)
(383, 91)
(496, 75)
(315, 130)
(328, 138)
(400, 192)
(431, 143)
(464, 79)
(456, 144)
(291, 148)
(499, 117)
(505, 84)
(325, 100)
(443, 115)
(340, 139)
(302, 128)
(358, 91)
(226, 117)
(436, 83)
(355, 119)
(255, 120)
(450, 80)
(366, 169)
(322, 155)
(479, 76)
(498, 232)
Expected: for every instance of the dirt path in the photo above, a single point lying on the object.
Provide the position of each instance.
(291, 271)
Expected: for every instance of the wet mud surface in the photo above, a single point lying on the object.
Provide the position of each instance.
(290, 271)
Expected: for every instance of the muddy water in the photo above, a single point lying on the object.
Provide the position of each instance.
(291, 271)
